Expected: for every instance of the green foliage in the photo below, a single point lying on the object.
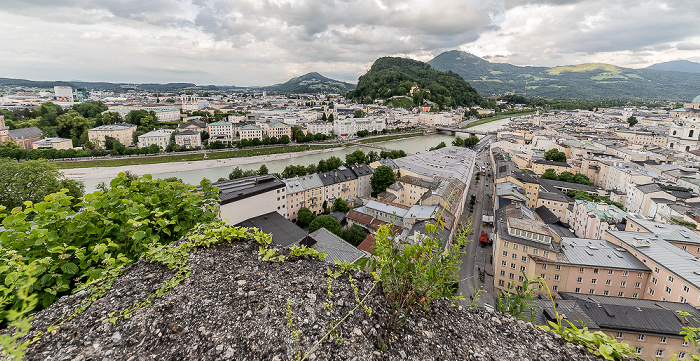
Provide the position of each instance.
(471, 141)
(555, 155)
(632, 121)
(415, 274)
(15, 291)
(382, 178)
(32, 181)
(262, 170)
(327, 222)
(340, 205)
(439, 146)
(356, 157)
(549, 174)
(112, 229)
(396, 76)
(597, 343)
(458, 142)
(691, 335)
(355, 235)
(303, 251)
(304, 217)
(518, 300)
(90, 108)
(585, 196)
(392, 154)
(312, 83)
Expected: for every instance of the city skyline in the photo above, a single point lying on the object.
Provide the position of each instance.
(249, 43)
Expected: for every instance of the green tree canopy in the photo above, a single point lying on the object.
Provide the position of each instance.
(262, 170)
(305, 217)
(471, 141)
(32, 181)
(340, 205)
(458, 142)
(382, 178)
(632, 121)
(549, 174)
(555, 155)
(357, 156)
(355, 235)
(327, 222)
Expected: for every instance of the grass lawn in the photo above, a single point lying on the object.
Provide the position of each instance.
(499, 117)
(389, 137)
(188, 157)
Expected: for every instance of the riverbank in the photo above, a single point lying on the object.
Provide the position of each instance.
(102, 172)
(493, 119)
(191, 157)
(389, 137)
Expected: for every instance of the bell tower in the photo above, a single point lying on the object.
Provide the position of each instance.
(4, 130)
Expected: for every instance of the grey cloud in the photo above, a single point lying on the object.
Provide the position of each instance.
(688, 46)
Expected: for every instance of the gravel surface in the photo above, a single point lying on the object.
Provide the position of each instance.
(234, 306)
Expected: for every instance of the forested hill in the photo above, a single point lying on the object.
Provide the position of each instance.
(312, 83)
(677, 65)
(584, 81)
(392, 78)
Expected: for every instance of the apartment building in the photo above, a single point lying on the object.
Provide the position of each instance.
(350, 126)
(249, 197)
(278, 130)
(675, 273)
(123, 132)
(591, 219)
(519, 236)
(160, 137)
(251, 132)
(55, 143)
(539, 166)
(222, 130)
(315, 127)
(296, 197)
(188, 138)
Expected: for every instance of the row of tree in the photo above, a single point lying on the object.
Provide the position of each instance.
(567, 177)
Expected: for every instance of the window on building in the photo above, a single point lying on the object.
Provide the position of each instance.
(591, 291)
(653, 280)
(555, 288)
(503, 273)
(660, 353)
(522, 268)
(535, 251)
(686, 289)
(515, 246)
(525, 248)
(608, 282)
(595, 271)
(523, 258)
(651, 291)
(662, 339)
(504, 263)
(505, 253)
(682, 299)
(620, 294)
(556, 277)
(635, 295)
(545, 253)
(684, 343)
(670, 279)
(579, 280)
(656, 270)
(641, 338)
(625, 273)
(638, 285)
(668, 290)
(557, 267)
(578, 290)
(544, 266)
(594, 281)
(500, 282)
(514, 256)
(512, 265)
(580, 270)
(506, 243)
(620, 335)
(511, 276)
(543, 275)
(638, 350)
(682, 355)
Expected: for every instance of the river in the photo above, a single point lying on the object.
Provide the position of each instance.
(409, 145)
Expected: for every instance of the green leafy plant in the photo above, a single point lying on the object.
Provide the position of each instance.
(690, 335)
(414, 274)
(518, 300)
(303, 251)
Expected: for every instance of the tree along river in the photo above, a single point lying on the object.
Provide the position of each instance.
(409, 145)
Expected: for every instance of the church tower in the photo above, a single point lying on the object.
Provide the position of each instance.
(4, 130)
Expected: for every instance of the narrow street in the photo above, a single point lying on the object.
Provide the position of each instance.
(476, 257)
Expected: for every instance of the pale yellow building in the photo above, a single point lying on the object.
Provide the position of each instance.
(123, 132)
(55, 143)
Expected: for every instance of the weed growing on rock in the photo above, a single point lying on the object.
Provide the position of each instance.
(413, 274)
(518, 300)
(17, 288)
(303, 251)
(295, 333)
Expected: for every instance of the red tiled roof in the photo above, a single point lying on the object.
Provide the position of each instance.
(367, 244)
(358, 217)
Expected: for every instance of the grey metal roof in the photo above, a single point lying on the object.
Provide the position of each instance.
(452, 162)
(599, 253)
(310, 181)
(237, 189)
(25, 133)
(335, 247)
(550, 183)
(619, 313)
(555, 196)
(665, 254)
(361, 170)
(284, 232)
(293, 185)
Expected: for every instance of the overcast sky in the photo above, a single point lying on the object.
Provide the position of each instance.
(262, 42)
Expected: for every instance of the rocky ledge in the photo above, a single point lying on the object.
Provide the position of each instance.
(234, 307)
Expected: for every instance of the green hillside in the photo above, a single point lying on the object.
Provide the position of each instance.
(312, 83)
(584, 81)
(392, 79)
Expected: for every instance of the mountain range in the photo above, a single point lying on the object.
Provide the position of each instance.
(677, 65)
(583, 81)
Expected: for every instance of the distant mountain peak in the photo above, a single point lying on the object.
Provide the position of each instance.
(677, 65)
(312, 82)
